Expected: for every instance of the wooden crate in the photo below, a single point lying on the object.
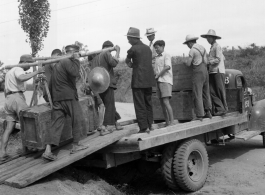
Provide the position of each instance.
(35, 120)
(181, 103)
(182, 77)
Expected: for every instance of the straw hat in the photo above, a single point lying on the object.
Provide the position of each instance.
(133, 32)
(190, 38)
(150, 31)
(98, 79)
(212, 33)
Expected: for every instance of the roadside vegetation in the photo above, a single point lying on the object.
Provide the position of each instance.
(250, 60)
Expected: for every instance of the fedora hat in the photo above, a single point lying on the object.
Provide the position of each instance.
(98, 79)
(150, 31)
(190, 38)
(133, 32)
(212, 33)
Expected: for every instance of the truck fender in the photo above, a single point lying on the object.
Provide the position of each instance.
(257, 117)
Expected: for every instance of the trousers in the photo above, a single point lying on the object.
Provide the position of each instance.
(142, 98)
(200, 90)
(217, 91)
(111, 115)
(60, 110)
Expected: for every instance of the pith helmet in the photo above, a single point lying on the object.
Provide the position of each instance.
(190, 38)
(133, 32)
(71, 48)
(26, 58)
(150, 31)
(212, 33)
(98, 79)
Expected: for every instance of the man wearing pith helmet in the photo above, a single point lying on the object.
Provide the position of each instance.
(139, 58)
(200, 78)
(216, 74)
(15, 86)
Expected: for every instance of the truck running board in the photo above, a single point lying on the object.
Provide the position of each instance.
(246, 135)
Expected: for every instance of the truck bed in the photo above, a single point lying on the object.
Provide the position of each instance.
(23, 170)
(163, 135)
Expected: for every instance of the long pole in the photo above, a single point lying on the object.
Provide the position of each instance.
(56, 59)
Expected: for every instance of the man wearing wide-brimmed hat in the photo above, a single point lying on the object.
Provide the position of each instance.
(139, 58)
(15, 86)
(216, 74)
(200, 78)
(65, 102)
(150, 34)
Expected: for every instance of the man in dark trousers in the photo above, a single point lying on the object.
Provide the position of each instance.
(107, 61)
(65, 102)
(200, 79)
(216, 74)
(139, 58)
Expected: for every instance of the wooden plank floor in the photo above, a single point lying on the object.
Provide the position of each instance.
(25, 170)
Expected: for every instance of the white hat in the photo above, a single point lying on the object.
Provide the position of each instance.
(150, 31)
(190, 38)
(212, 33)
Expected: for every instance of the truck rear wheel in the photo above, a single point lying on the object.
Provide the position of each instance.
(190, 165)
(167, 166)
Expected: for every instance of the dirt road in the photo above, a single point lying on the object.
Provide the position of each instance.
(235, 169)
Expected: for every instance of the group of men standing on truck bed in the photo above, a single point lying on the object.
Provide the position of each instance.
(151, 66)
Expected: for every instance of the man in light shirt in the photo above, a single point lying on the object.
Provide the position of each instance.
(200, 78)
(164, 78)
(150, 34)
(15, 86)
(216, 74)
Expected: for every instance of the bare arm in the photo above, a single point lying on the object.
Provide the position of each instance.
(188, 61)
(26, 77)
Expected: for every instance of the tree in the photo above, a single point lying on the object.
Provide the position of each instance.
(34, 20)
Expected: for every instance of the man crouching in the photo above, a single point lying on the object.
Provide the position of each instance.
(65, 102)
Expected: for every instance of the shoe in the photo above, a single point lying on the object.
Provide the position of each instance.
(118, 126)
(197, 118)
(220, 113)
(110, 128)
(144, 130)
(151, 128)
(208, 115)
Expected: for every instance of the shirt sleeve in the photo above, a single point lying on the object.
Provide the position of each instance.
(72, 67)
(192, 54)
(18, 72)
(111, 61)
(218, 55)
(168, 60)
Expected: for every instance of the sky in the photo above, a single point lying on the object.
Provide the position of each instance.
(238, 22)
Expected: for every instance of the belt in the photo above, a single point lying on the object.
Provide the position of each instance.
(12, 92)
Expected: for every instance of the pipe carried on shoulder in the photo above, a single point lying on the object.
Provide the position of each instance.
(56, 59)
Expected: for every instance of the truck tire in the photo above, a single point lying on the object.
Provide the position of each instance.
(167, 166)
(191, 165)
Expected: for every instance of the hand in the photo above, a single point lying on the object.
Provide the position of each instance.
(156, 77)
(117, 48)
(129, 64)
(41, 70)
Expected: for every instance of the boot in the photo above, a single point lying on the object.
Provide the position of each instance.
(208, 115)
(118, 126)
